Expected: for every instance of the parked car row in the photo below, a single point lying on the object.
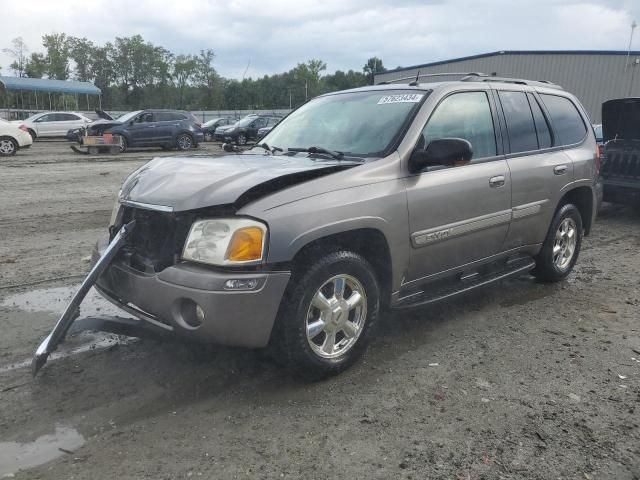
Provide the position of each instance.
(151, 127)
(251, 127)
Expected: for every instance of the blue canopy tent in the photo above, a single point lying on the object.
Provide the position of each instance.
(48, 87)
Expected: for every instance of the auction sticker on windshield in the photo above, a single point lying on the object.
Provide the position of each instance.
(404, 98)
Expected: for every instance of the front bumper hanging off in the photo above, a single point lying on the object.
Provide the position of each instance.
(72, 311)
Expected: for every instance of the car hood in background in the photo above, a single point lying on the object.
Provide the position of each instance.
(187, 183)
(104, 115)
(621, 119)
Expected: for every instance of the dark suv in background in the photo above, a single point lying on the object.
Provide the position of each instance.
(247, 128)
(149, 128)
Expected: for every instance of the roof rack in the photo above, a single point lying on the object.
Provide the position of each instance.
(475, 77)
(415, 78)
(516, 81)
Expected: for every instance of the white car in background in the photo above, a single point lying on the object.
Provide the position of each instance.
(12, 138)
(53, 124)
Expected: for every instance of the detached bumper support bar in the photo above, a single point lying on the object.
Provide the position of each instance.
(72, 311)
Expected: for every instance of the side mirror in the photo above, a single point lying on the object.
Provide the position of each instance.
(442, 151)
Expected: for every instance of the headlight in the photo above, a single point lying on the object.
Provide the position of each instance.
(115, 211)
(226, 241)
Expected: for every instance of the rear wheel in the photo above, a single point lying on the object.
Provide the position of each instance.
(184, 142)
(327, 315)
(33, 134)
(8, 146)
(560, 249)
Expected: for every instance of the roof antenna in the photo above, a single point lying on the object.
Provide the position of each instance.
(415, 83)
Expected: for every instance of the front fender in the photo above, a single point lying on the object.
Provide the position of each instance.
(338, 227)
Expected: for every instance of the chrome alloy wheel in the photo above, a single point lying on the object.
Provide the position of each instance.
(7, 147)
(336, 316)
(564, 245)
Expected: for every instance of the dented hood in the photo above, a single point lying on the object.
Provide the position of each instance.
(187, 183)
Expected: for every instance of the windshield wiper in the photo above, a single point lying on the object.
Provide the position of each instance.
(331, 153)
(268, 148)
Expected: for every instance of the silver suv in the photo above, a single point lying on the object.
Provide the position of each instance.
(388, 196)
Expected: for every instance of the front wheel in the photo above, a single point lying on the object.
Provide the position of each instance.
(123, 142)
(560, 249)
(242, 139)
(8, 146)
(327, 315)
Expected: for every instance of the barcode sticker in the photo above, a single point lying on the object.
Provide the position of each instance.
(403, 98)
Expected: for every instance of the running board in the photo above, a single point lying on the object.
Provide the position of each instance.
(467, 283)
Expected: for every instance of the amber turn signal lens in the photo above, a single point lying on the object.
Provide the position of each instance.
(246, 245)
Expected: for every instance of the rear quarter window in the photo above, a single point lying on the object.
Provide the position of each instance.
(566, 119)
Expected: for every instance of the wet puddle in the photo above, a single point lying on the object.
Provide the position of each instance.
(98, 341)
(56, 299)
(15, 455)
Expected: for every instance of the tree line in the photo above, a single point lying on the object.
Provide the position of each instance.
(133, 73)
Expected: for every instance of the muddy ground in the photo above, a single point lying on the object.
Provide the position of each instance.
(519, 380)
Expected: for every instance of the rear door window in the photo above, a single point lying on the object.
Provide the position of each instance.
(542, 127)
(567, 121)
(520, 124)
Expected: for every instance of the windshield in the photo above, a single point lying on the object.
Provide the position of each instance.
(363, 124)
(128, 116)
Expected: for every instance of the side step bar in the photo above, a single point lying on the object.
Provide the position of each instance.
(467, 283)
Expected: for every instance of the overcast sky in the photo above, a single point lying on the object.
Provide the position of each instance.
(275, 35)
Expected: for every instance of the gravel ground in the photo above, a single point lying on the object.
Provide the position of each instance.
(519, 380)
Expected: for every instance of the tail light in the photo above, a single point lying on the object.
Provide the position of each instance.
(24, 128)
(599, 157)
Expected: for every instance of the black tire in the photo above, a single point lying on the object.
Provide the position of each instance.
(123, 145)
(184, 141)
(242, 139)
(289, 341)
(547, 262)
(33, 135)
(8, 146)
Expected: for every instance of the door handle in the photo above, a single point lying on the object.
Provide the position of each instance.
(560, 169)
(497, 181)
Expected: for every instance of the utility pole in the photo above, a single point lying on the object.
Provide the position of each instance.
(289, 98)
(305, 90)
(634, 67)
(633, 27)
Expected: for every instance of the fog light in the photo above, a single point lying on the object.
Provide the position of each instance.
(241, 284)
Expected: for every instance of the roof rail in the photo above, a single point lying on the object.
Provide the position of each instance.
(415, 78)
(516, 81)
